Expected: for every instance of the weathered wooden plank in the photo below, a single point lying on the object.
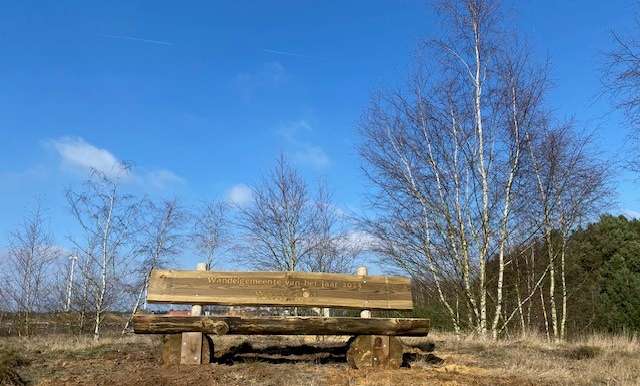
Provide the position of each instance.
(280, 289)
(154, 324)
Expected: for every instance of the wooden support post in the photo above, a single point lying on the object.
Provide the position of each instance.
(172, 349)
(374, 350)
(191, 350)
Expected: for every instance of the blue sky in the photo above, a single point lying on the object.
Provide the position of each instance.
(202, 97)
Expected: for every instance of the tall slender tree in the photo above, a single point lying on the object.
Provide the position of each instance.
(160, 238)
(108, 222)
(30, 255)
(569, 185)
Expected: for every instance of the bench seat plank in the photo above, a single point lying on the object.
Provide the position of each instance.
(156, 324)
(304, 289)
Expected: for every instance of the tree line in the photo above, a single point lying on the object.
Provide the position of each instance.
(121, 238)
(476, 190)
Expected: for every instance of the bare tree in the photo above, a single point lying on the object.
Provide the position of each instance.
(569, 183)
(286, 228)
(447, 157)
(30, 254)
(336, 248)
(209, 230)
(622, 82)
(279, 226)
(107, 219)
(160, 239)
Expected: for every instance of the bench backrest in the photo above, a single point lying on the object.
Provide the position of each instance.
(304, 289)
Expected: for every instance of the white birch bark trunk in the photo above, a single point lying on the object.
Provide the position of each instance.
(105, 261)
(552, 300)
(563, 322)
(515, 160)
(482, 325)
(544, 314)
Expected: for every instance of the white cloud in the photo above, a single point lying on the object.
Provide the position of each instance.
(78, 153)
(360, 239)
(631, 214)
(240, 194)
(313, 156)
(305, 152)
(271, 74)
(293, 130)
(162, 178)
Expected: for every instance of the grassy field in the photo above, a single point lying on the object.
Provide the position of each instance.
(65, 360)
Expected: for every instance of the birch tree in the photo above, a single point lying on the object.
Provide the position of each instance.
(570, 184)
(445, 154)
(107, 219)
(160, 238)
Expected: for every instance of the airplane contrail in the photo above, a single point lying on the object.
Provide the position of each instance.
(286, 53)
(138, 39)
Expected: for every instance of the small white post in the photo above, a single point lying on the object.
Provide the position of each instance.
(196, 309)
(362, 271)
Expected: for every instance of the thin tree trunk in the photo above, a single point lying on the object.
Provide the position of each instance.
(483, 179)
(83, 307)
(564, 289)
(530, 280)
(518, 296)
(505, 217)
(103, 287)
(531, 294)
(544, 313)
(103, 283)
(552, 301)
(136, 305)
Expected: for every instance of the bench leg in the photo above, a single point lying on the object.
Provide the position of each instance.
(171, 350)
(191, 348)
(381, 351)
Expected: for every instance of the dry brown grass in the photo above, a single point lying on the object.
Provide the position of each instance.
(589, 360)
(61, 359)
(10, 361)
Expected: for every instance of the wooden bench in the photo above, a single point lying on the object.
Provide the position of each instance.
(374, 342)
